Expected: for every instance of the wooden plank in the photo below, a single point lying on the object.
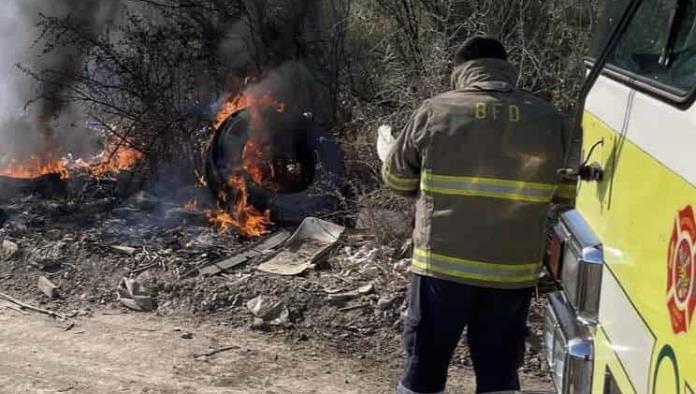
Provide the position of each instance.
(258, 249)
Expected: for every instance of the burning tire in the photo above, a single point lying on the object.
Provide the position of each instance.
(290, 166)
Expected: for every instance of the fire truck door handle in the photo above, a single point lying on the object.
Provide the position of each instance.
(588, 173)
(591, 173)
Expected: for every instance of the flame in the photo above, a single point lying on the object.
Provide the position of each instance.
(220, 219)
(255, 103)
(115, 158)
(34, 167)
(242, 215)
(256, 163)
(232, 105)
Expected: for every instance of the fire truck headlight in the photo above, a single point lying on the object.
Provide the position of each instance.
(569, 347)
(582, 264)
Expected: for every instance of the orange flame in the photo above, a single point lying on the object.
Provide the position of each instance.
(242, 215)
(234, 104)
(256, 162)
(220, 219)
(34, 167)
(115, 159)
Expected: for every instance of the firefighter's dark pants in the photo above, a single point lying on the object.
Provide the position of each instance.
(437, 314)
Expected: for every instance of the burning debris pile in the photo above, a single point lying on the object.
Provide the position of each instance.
(353, 299)
(113, 159)
(66, 176)
(86, 248)
(267, 162)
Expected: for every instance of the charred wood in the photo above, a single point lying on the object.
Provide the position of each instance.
(46, 186)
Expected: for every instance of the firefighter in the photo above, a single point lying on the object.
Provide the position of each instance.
(482, 160)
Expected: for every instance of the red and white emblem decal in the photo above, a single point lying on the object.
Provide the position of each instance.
(681, 271)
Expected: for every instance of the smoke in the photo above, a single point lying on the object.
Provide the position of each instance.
(49, 123)
(278, 44)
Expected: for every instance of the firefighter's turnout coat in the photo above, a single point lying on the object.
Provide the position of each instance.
(483, 160)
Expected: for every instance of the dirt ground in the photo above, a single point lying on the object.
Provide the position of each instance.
(334, 329)
(115, 352)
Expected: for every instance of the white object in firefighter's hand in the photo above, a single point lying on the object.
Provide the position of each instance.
(385, 142)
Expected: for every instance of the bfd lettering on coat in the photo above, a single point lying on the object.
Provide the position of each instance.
(495, 111)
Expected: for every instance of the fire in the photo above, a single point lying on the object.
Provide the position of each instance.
(234, 104)
(220, 219)
(256, 162)
(34, 167)
(242, 215)
(115, 159)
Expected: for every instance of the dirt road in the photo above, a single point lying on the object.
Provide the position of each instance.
(138, 353)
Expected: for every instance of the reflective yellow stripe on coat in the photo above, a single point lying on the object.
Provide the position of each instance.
(487, 187)
(400, 183)
(474, 270)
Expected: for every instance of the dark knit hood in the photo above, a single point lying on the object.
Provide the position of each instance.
(485, 74)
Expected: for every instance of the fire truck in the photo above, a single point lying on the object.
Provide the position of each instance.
(624, 319)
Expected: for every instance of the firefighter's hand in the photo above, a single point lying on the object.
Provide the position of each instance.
(385, 142)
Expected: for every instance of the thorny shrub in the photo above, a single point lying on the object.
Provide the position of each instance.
(401, 52)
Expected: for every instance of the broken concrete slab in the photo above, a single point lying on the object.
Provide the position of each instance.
(133, 295)
(305, 249)
(48, 288)
(8, 249)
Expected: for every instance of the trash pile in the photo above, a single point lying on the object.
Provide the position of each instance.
(318, 282)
